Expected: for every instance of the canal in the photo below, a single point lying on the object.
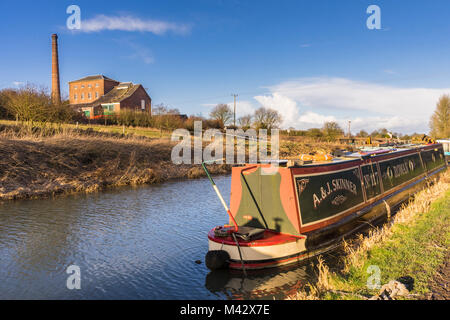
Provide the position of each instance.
(129, 243)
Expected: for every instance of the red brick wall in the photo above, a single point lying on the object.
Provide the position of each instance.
(104, 86)
(109, 85)
(134, 102)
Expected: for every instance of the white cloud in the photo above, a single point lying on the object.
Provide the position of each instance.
(243, 107)
(309, 102)
(286, 106)
(130, 23)
(18, 83)
(313, 120)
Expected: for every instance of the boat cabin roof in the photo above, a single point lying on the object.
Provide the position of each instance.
(363, 153)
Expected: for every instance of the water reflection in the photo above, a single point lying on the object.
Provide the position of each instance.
(274, 283)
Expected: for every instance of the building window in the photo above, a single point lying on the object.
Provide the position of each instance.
(76, 87)
(96, 85)
(89, 96)
(89, 86)
(75, 96)
(82, 86)
(96, 95)
(108, 109)
(82, 96)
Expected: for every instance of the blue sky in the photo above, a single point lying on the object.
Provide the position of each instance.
(313, 61)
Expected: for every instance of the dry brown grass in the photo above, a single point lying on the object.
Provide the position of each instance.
(49, 159)
(293, 146)
(67, 162)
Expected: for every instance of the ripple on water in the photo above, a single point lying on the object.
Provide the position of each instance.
(130, 243)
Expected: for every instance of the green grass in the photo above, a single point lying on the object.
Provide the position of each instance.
(137, 131)
(415, 249)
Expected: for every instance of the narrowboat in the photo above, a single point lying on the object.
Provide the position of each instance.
(290, 212)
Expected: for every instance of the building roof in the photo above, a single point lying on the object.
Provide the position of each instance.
(119, 93)
(97, 77)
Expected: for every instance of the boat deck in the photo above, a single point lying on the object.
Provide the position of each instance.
(364, 153)
(269, 238)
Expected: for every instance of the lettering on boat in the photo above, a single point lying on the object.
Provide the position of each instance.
(399, 170)
(301, 184)
(371, 180)
(396, 171)
(339, 200)
(328, 194)
(326, 191)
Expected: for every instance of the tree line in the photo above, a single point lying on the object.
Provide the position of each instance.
(33, 104)
(263, 118)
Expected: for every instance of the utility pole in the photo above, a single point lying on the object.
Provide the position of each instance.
(235, 96)
(349, 131)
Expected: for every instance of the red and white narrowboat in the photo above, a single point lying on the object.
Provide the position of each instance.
(284, 214)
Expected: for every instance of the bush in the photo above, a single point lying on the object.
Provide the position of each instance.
(33, 104)
(314, 133)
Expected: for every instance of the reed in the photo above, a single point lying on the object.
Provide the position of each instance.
(39, 165)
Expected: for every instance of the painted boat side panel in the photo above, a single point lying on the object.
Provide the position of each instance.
(371, 180)
(433, 158)
(326, 195)
(395, 172)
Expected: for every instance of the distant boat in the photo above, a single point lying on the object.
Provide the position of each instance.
(301, 210)
(446, 145)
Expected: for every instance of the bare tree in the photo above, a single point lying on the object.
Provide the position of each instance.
(162, 109)
(223, 113)
(440, 120)
(267, 119)
(332, 130)
(4, 100)
(245, 122)
(33, 104)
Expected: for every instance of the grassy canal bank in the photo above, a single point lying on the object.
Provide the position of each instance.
(412, 248)
(35, 167)
(46, 161)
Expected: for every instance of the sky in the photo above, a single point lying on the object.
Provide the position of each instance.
(312, 60)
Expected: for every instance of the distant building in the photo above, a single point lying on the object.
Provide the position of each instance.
(99, 95)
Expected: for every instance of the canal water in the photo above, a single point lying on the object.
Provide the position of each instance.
(129, 243)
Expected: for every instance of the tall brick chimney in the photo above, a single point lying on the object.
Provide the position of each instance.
(56, 91)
